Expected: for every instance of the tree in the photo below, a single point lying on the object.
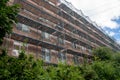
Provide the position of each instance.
(105, 70)
(107, 64)
(26, 67)
(103, 53)
(21, 68)
(8, 16)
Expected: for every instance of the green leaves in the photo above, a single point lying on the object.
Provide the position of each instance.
(25, 67)
(3, 3)
(103, 53)
(7, 18)
(106, 65)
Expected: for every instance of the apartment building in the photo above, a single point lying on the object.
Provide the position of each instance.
(53, 30)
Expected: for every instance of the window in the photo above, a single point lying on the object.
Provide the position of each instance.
(23, 27)
(61, 41)
(61, 57)
(83, 48)
(45, 35)
(75, 59)
(46, 54)
(17, 47)
(74, 45)
(15, 53)
(19, 26)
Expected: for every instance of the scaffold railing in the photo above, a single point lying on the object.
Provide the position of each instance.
(69, 5)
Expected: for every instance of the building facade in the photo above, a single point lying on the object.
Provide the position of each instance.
(53, 30)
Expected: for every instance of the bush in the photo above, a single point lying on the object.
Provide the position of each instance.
(8, 16)
(105, 70)
(89, 73)
(21, 68)
(25, 67)
(103, 53)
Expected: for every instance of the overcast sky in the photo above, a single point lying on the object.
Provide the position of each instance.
(106, 13)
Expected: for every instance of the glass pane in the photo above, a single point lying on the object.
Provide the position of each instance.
(19, 26)
(47, 58)
(46, 35)
(61, 57)
(61, 41)
(15, 52)
(43, 53)
(43, 35)
(25, 28)
(76, 61)
(74, 45)
(47, 55)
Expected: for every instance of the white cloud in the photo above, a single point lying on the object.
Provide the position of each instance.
(111, 33)
(118, 41)
(101, 11)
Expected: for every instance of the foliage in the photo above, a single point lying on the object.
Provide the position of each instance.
(24, 67)
(70, 72)
(106, 64)
(27, 68)
(105, 70)
(103, 53)
(105, 67)
(88, 72)
(7, 18)
(116, 58)
(21, 68)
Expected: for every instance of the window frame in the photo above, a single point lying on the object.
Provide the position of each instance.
(22, 27)
(76, 60)
(16, 47)
(45, 35)
(61, 41)
(61, 57)
(46, 56)
(74, 45)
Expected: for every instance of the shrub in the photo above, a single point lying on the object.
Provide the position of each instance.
(103, 53)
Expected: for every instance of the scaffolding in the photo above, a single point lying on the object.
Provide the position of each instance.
(67, 31)
(68, 7)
